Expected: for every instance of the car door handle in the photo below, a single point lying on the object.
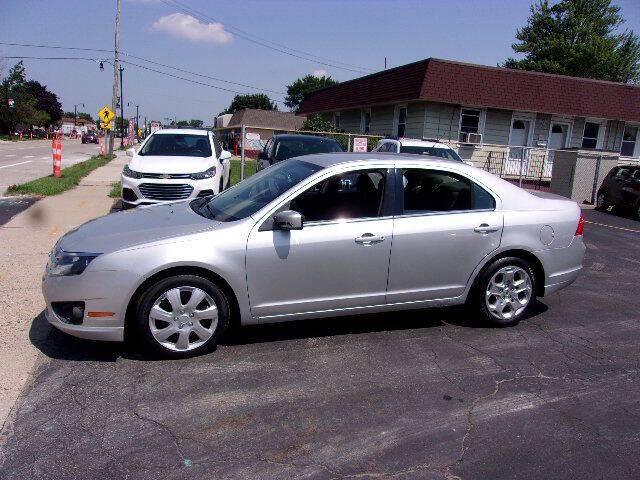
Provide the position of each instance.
(485, 228)
(369, 239)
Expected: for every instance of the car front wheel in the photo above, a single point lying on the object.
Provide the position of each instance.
(506, 291)
(182, 316)
(601, 202)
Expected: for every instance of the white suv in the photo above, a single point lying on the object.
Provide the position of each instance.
(175, 164)
(417, 147)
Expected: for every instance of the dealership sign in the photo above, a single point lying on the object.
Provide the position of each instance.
(359, 144)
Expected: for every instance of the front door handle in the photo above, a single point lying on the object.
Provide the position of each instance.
(369, 239)
(485, 228)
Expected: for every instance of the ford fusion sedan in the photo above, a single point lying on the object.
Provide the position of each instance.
(316, 236)
(175, 164)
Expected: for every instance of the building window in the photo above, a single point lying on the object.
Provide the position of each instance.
(470, 120)
(336, 120)
(590, 135)
(402, 121)
(365, 121)
(629, 139)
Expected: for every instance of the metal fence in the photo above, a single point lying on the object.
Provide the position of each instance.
(574, 173)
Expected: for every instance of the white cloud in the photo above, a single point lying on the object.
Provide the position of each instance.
(185, 26)
(320, 73)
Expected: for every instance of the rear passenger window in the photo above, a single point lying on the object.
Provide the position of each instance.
(437, 191)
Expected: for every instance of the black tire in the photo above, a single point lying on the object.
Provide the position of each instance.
(604, 206)
(479, 293)
(157, 290)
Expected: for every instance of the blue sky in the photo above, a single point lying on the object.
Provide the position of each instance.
(355, 32)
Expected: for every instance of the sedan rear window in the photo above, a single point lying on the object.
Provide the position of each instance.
(432, 151)
(177, 145)
(288, 148)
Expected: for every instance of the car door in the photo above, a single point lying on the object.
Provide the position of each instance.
(446, 225)
(338, 260)
(616, 184)
(630, 189)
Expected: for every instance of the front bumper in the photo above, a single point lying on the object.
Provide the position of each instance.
(101, 291)
(148, 191)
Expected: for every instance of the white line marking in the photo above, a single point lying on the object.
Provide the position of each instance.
(28, 156)
(15, 164)
(45, 158)
(613, 226)
(10, 155)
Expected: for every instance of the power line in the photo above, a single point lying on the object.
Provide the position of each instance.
(153, 62)
(263, 43)
(127, 62)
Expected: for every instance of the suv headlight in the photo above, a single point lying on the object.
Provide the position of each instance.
(202, 175)
(63, 263)
(127, 172)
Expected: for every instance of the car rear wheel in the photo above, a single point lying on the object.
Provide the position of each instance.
(505, 291)
(182, 316)
(601, 202)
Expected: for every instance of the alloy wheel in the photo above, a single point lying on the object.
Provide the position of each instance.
(183, 318)
(600, 201)
(508, 292)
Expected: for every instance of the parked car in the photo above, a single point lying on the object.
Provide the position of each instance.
(284, 146)
(312, 237)
(417, 147)
(175, 164)
(620, 189)
(90, 137)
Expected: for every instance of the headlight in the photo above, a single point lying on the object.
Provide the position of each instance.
(202, 175)
(127, 172)
(66, 263)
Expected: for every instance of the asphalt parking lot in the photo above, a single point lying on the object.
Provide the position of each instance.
(423, 394)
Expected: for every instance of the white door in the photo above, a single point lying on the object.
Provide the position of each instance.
(519, 138)
(557, 140)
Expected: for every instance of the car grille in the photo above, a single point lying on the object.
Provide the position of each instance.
(166, 175)
(165, 191)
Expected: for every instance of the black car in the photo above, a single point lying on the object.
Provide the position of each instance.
(621, 189)
(90, 137)
(281, 147)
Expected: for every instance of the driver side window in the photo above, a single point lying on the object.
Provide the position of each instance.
(354, 194)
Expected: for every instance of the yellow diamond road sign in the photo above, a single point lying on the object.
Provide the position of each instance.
(105, 125)
(106, 114)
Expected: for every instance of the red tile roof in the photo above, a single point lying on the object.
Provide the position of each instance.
(477, 85)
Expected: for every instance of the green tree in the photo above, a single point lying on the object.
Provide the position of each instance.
(258, 101)
(182, 123)
(582, 38)
(316, 123)
(46, 102)
(196, 123)
(302, 86)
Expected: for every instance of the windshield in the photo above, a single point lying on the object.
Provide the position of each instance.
(297, 147)
(177, 145)
(433, 151)
(250, 195)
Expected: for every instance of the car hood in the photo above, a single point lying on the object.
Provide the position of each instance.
(162, 164)
(135, 227)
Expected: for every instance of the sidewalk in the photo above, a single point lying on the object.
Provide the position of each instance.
(26, 242)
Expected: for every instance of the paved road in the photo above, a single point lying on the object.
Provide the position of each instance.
(24, 161)
(425, 394)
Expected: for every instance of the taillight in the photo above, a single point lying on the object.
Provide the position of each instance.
(580, 228)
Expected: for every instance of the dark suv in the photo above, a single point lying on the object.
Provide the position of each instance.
(621, 190)
(281, 147)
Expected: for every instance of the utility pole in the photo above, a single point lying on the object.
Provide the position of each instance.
(114, 99)
(121, 69)
(137, 119)
(75, 113)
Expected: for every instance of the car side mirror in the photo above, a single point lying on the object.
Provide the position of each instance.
(262, 155)
(288, 220)
(131, 152)
(225, 155)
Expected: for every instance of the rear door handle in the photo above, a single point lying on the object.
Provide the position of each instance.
(369, 239)
(485, 228)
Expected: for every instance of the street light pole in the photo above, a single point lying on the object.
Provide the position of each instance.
(121, 69)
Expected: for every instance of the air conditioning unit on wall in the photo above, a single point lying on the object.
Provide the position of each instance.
(471, 138)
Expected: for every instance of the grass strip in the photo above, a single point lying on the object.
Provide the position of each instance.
(70, 177)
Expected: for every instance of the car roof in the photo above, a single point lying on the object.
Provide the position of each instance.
(330, 159)
(288, 136)
(185, 131)
(417, 142)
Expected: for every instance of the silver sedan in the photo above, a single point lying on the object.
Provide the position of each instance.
(315, 236)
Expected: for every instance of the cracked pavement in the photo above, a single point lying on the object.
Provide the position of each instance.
(422, 394)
